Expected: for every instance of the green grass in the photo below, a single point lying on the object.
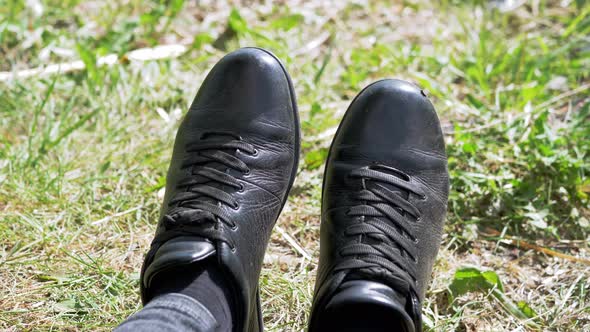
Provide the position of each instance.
(83, 154)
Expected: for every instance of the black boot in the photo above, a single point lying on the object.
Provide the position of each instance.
(383, 205)
(234, 161)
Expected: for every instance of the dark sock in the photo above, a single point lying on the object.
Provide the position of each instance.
(205, 283)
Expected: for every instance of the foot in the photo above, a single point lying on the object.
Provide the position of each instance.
(383, 205)
(234, 161)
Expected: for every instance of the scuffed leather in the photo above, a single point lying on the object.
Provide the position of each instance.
(392, 123)
(248, 93)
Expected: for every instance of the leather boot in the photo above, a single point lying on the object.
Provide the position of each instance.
(384, 199)
(234, 161)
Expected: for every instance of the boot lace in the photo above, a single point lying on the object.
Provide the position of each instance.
(386, 241)
(197, 209)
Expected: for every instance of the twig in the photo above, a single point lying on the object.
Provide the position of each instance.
(551, 101)
(564, 95)
(550, 252)
(281, 259)
(142, 54)
(523, 244)
(330, 132)
(293, 243)
(313, 44)
(116, 215)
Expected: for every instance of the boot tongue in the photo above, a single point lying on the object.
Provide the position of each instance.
(182, 250)
(361, 293)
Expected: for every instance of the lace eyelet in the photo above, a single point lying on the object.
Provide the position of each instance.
(236, 206)
(241, 188)
(247, 172)
(233, 248)
(419, 218)
(255, 153)
(423, 197)
(234, 227)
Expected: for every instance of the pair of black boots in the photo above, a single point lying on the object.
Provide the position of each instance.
(384, 195)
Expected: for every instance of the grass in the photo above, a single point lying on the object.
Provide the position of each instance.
(83, 154)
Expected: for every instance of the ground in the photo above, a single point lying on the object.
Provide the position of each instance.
(84, 151)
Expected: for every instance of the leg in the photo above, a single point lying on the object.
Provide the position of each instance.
(186, 298)
(383, 204)
(234, 161)
(171, 313)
